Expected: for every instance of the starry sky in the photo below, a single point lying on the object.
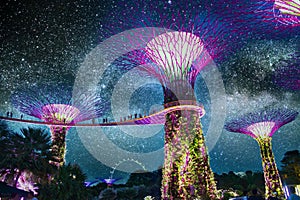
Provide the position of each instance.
(51, 42)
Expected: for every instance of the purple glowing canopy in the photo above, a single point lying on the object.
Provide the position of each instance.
(264, 123)
(58, 104)
(181, 55)
(187, 45)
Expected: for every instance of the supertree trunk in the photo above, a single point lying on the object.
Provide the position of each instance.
(58, 144)
(186, 172)
(273, 185)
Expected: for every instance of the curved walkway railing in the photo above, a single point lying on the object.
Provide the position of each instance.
(155, 118)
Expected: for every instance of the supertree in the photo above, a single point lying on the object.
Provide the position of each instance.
(175, 58)
(261, 126)
(287, 75)
(58, 107)
(186, 171)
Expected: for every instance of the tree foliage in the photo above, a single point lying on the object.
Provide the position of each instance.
(67, 184)
(28, 151)
(241, 182)
(291, 167)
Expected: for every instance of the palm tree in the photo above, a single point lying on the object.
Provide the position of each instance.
(36, 145)
(29, 151)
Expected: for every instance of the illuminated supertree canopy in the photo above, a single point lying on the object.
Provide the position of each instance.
(271, 119)
(189, 42)
(57, 105)
(178, 54)
(175, 52)
(261, 126)
(287, 75)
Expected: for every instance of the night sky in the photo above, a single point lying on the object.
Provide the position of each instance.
(52, 43)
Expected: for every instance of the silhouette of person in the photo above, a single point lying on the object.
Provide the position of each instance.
(11, 114)
(7, 114)
(293, 195)
(21, 116)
